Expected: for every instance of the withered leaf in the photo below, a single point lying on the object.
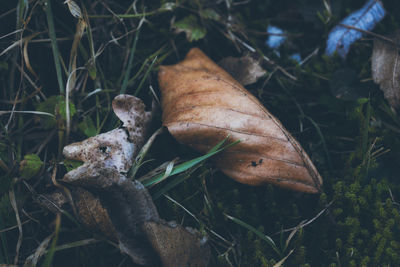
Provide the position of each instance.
(116, 147)
(131, 111)
(113, 147)
(245, 70)
(202, 104)
(386, 69)
(123, 210)
(92, 213)
(128, 206)
(176, 246)
(141, 234)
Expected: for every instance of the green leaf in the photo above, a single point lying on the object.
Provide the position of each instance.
(48, 106)
(47, 262)
(54, 105)
(30, 166)
(142, 153)
(54, 45)
(87, 127)
(72, 164)
(190, 26)
(209, 13)
(60, 108)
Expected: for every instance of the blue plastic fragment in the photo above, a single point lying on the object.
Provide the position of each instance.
(296, 57)
(276, 38)
(340, 38)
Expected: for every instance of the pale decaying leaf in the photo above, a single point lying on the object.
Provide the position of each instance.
(116, 147)
(245, 70)
(386, 69)
(131, 111)
(92, 213)
(202, 104)
(130, 211)
(112, 147)
(123, 210)
(128, 206)
(176, 245)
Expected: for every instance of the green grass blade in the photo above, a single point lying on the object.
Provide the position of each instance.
(173, 183)
(79, 243)
(92, 62)
(321, 136)
(145, 77)
(144, 64)
(365, 128)
(130, 63)
(22, 8)
(49, 257)
(142, 153)
(217, 146)
(258, 233)
(54, 45)
(189, 164)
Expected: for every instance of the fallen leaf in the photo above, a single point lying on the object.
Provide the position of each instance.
(386, 69)
(131, 111)
(92, 213)
(113, 147)
(176, 245)
(130, 210)
(202, 104)
(116, 147)
(127, 204)
(245, 70)
(108, 202)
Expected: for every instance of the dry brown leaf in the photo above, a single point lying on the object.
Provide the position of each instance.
(92, 213)
(26, 55)
(127, 206)
(202, 104)
(176, 246)
(245, 69)
(386, 69)
(141, 234)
